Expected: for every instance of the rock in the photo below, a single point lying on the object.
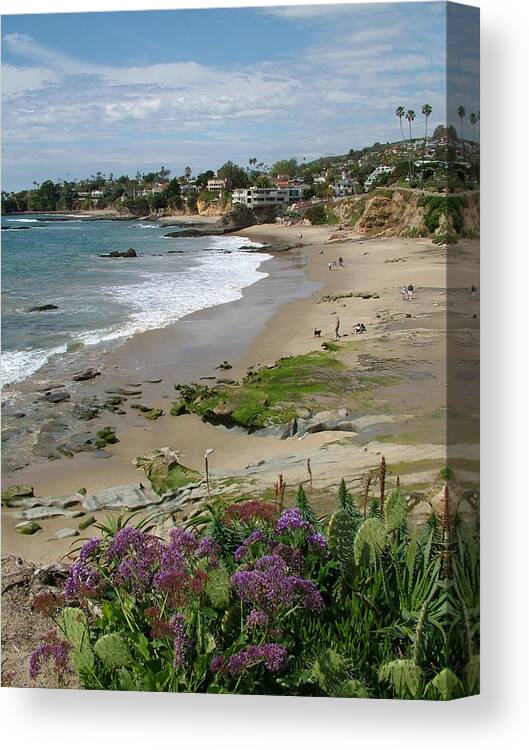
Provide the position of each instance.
(154, 380)
(281, 431)
(89, 374)
(28, 527)
(153, 414)
(42, 308)
(66, 533)
(55, 397)
(225, 381)
(85, 411)
(178, 408)
(86, 522)
(16, 493)
(198, 494)
(128, 496)
(50, 387)
(40, 512)
(49, 576)
(224, 366)
(130, 253)
(123, 392)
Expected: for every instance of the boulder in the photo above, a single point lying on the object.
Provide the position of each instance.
(55, 397)
(16, 493)
(89, 374)
(178, 408)
(28, 528)
(66, 533)
(129, 496)
(130, 253)
(43, 308)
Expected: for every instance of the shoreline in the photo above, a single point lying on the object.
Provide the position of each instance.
(269, 324)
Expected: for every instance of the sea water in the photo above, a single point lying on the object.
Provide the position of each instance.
(103, 301)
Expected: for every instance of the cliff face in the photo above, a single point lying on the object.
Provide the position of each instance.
(411, 213)
(213, 209)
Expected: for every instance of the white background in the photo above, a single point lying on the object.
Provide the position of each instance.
(499, 717)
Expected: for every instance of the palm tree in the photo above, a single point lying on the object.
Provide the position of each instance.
(400, 113)
(410, 116)
(427, 111)
(473, 121)
(461, 111)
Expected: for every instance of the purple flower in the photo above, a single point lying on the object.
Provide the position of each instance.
(317, 541)
(89, 548)
(181, 640)
(54, 650)
(241, 552)
(257, 619)
(184, 541)
(290, 520)
(272, 654)
(268, 587)
(208, 547)
(138, 554)
(82, 580)
(218, 664)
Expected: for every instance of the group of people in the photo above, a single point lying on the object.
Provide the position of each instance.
(336, 264)
(407, 292)
(357, 328)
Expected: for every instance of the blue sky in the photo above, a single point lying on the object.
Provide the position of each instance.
(125, 91)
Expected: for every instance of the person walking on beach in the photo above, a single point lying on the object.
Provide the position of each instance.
(337, 328)
(410, 292)
(330, 266)
(341, 263)
(404, 292)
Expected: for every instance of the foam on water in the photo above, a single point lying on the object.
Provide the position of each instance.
(155, 299)
(19, 365)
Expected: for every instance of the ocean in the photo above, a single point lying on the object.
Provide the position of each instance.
(103, 301)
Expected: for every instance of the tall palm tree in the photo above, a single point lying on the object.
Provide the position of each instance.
(400, 112)
(427, 111)
(473, 121)
(461, 111)
(410, 117)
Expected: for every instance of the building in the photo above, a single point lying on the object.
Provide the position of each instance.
(96, 193)
(186, 189)
(345, 186)
(375, 174)
(216, 185)
(255, 197)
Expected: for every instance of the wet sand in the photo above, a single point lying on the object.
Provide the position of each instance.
(275, 318)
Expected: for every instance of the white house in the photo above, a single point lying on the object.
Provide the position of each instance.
(375, 174)
(255, 197)
(96, 193)
(344, 187)
(216, 185)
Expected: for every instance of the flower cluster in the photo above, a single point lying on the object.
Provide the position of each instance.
(83, 578)
(242, 551)
(137, 554)
(54, 650)
(291, 520)
(269, 586)
(181, 640)
(251, 511)
(272, 655)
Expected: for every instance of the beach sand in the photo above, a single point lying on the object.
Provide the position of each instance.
(277, 317)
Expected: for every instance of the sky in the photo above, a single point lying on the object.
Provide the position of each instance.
(117, 92)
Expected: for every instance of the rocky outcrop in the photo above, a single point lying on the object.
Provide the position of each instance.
(130, 253)
(43, 308)
(402, 212)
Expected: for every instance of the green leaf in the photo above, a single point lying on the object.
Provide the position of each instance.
(445, 686)
(395, 512)
(218, 587)
(113, 651)
(403, 675)
(75, 629)
(370, 541)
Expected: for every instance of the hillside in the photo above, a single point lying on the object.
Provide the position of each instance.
(411, 213)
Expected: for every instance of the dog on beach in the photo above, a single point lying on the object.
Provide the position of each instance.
(317, 332)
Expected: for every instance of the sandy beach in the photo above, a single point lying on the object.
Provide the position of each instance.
(276, 318)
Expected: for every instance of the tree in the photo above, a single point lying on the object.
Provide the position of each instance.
(284, 168)
(461, 111)
(203, 177)
(427, 111)
(473, 121)
(234, 175)
(172, 193)
(400, 112)
(188, 172)
(410, 117)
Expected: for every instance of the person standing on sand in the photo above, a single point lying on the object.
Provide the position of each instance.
(410, 292)
(330, 266)
(337, 328)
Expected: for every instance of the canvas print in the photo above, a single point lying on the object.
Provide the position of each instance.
(240, 351)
